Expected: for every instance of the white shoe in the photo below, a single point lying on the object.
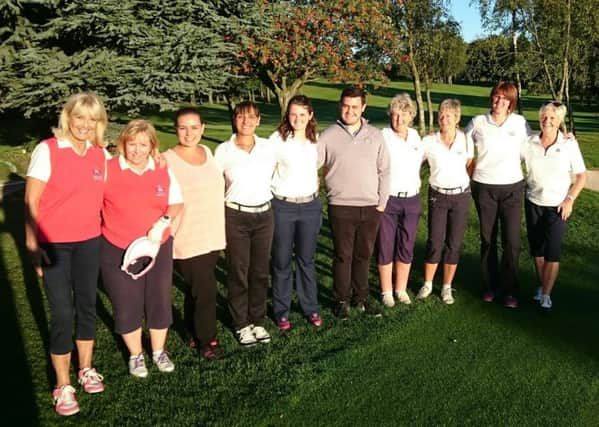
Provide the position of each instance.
(403, 297)
(546, 303)
(137, 366)
(446, 295)
(538, 294)
(388, 300)
(163, 362)
(245, 336)
(424, 291)
(261, 334)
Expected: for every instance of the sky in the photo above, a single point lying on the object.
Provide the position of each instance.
(468, 17)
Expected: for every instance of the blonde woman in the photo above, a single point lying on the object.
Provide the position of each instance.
(397, 229)
(63, 198)
(140, 198)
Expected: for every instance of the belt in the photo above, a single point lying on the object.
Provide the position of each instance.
(304, 199)
(451, 191)
(250, 209)
(406, 194)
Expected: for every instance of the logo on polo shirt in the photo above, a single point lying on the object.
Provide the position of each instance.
(160, 191)
(97, 174)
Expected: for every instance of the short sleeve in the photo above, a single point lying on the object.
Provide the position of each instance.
(576, 160)
(39, 165)
(175, 196)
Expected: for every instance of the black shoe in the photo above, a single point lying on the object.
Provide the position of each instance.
(212, 351)
(368, 308)
(341, 310)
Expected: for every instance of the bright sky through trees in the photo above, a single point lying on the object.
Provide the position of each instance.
(468, 17)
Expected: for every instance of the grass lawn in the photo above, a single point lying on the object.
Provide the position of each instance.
(426, 364)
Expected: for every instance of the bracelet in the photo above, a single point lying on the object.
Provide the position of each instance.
(571, 198)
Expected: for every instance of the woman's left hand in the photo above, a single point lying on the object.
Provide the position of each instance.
(565, 208)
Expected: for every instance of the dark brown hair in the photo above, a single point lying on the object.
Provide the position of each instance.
(353, 92)
(285, 128)
(185, 111)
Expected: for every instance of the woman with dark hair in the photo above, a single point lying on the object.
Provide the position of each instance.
(247, 162)
(63, 198)
(550, 159)
(199, 231)
(297, 212)
(498, 190)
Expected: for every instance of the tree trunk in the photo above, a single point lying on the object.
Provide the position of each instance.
(282, 91)
(417, 90)
(516, 65)
(533, 29)
(566, 64)
(210, 98)
(429, 103)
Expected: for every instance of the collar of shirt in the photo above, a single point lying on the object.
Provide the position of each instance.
(65, 143)
(490, 120)
(363, 122)
(124, 165)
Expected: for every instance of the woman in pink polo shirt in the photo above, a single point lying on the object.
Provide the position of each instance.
(63, 198)
(140, 198)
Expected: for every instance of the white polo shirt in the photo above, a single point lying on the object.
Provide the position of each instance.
(40, 166)
(497, 148)
(406, 159)
(296, 171)
(448, 164)
(247, 175)
(548, 170)
(175, 195)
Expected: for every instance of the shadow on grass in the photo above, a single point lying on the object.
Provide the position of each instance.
(19, 401)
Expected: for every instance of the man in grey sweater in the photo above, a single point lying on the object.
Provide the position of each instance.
(356, 165)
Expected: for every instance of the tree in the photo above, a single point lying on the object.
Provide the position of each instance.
(133, 53)
(342, 40)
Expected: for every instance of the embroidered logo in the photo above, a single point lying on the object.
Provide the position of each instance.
(160, 191)
(97, 174)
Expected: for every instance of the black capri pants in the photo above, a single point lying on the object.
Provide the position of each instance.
(447, 219)
(545, 229)
(151, 293)
(71, 281)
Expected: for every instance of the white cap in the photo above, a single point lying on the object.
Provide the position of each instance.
(139, 257)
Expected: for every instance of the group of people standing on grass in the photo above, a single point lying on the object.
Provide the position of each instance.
(131, 215)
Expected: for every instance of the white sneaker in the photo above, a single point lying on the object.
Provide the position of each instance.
(137, 366)
(546, 302)
(245, 336)
(261, 334)
(163, 362)
(424, 291)
(446, 295)
(388, 300)
(538, 294)
(403, 297)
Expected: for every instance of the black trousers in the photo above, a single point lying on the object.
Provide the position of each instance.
(199, 307)
(499, 207)
(354, 231)
(249, 239)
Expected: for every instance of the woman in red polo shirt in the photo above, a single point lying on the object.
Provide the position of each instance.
(140, 198)
(63, 198)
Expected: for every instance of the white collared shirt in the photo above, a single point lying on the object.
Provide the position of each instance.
(296, 171)
(448, 164)
(175, 195)
(548, 177)
(40, 166)
(406, 159)
(248, 176)
(497, 148)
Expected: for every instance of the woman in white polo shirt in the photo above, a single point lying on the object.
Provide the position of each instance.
(297, 212)
(397, 229)
(498, 190)
(248, 163)
(449, 155)
(550, 158)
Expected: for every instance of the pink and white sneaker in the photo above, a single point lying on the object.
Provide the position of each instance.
(91, 381)
(64, 400)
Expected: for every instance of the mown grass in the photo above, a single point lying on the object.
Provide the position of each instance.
(424, 364)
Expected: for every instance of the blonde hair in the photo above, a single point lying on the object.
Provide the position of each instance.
(134, 128)
(83, 103)
(559, 109)
(453, 105)
(402, 102)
